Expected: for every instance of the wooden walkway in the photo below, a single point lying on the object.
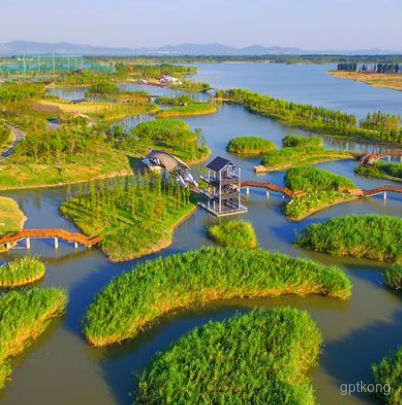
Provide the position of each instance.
(56, 234)
(375, 157)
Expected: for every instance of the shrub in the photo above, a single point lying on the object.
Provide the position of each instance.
(259, 358)
(313, 179)
(301, 141)
(21, 272)
(250, 145)
(188, 110)
(138, 298)
(24, 316)
(370, 236)
(236, 234)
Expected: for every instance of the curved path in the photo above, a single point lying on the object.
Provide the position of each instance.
(18, 136)
(374, 157)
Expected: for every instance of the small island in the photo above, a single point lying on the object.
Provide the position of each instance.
(12, 219)
(21, 272)
(24, 316)
(235, 234)
(250, 145)
(243, 355)
(139, 298)
(368, 236)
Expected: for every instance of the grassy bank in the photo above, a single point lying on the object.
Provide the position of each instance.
(381, 170)
(387, 81)
(286, 158)
(136, 216)
(235, 234)
(259, 358)
(26, 173)
(250, 145)
(370, 236)
(24, 316)
(21, 272)
(292, 141)
(388, 374)
(138, 298)
(190, 110)
(11, 217)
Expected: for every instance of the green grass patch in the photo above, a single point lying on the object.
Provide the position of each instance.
(286, 158)
(393, 276)
(136, 216)
(137, 299)
(21, 272)
(388, 374)
(258, 358)
(312, 179)
(24, 316)
(302, 207)
(370, 236)
(301, 141)
(381, 170)
(11, 217)
(235, 234)
(250, 145)
(189, 110)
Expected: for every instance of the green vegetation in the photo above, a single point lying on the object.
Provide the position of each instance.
(250, 145)
(189, 110)
(301, 141)
(381, 170)
(302, 207)
(235, 234)
(24, 316)
(135, 215)
(378, 126)
(312, 179)
(103, 87)
(11, 217)
(126, 69)
(4, 135)
(189, 85)
(286, 158)
(393, 276)
(180, 100)
(137, 299)
(388, 373)
(172, 135)
(259, 358)
(21, 272)
(371, 236)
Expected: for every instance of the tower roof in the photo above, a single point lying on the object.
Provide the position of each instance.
(218, 164)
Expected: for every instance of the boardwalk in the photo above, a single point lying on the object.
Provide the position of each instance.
(56, 234)
(375, 157)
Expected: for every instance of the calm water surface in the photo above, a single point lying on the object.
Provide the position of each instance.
(60, 368)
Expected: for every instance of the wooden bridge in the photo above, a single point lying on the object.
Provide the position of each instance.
(56, 234)
(247, 184)
(375, 157)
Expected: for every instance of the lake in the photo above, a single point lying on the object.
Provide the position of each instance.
(61, 368)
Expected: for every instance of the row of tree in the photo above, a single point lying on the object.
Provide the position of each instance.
(376, 68)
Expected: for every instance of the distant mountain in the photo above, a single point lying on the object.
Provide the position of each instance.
(33, 48)
(28, 47)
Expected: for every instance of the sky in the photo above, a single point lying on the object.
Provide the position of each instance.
(307, 24)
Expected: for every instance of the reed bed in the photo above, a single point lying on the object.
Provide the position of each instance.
(388, 374)
(286, 158)
(312, 179)
(303, 141)
(370, 236)
(393, 276)
(189, 110)
(235, 234)
(259, 358)
(24, 316)
(250, 145)
(138, 298)
(21, 272)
